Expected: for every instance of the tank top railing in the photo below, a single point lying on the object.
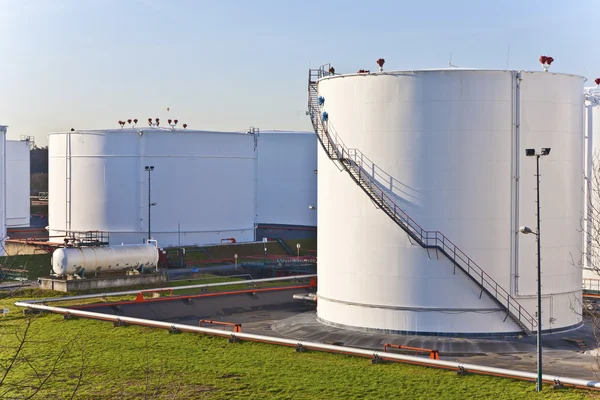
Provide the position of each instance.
(377, 184)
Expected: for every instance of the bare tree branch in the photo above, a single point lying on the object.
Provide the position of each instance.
(81, 371)
(16, 355)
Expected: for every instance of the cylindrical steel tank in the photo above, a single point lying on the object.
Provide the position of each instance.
(2, 188)
(202, 185)
(591, 261)
(287, 180)
(451, 143)
(78, 260)
(17, 183)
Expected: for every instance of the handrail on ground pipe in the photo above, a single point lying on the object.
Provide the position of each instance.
(236, 327)
(140, 295)
(453, 365)
(433, 354)
(197, 286)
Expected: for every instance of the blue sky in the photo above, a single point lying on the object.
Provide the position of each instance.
(228, 65)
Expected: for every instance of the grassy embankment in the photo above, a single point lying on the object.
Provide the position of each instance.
(137, 362)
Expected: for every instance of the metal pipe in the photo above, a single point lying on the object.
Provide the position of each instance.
(305, 297)
(197, 286)
(317, 346)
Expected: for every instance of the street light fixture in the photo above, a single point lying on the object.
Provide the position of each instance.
(311, 207)
(149, 169)
(298, 248)
(525, 230)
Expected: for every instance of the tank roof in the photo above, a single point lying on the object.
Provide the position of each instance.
(285, 132)
(416, 71)
(145, 129)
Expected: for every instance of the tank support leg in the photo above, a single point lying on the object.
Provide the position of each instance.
(233, 339)
(300, 348)
(376, 359)
(119, 323)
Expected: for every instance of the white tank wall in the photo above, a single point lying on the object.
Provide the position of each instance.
(17, 183)
(198, 181)
(2, 188)
(592, 265)
(287, 183)
(449, 137)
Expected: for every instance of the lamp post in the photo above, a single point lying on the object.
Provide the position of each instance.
(298, 248)
(235, 257)
(525, 230)
(149, 169)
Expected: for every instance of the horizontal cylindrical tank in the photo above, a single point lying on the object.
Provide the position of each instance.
(287, 180)
(200, 189)
(2, 188)
(449, 148)
(75, 260)
(17, 183)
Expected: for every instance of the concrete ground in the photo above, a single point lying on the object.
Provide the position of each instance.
(276, 313)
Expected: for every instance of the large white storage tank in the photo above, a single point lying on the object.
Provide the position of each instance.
(453, 143)
(202, 183)
(287, 180)
(2, 188)
(591, 261)
(17, 183)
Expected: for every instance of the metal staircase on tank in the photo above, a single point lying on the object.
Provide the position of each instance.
(353, 162)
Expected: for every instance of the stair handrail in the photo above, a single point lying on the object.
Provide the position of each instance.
(326, 131)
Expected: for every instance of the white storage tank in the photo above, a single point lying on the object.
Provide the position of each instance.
(90, 260)
(287, 180)
(2, 188)
(17, 183)
(591, 262)
(202, 184)
(448, 147)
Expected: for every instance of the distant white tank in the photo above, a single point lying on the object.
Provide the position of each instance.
(17, 183)
(2, 188)
(591, 278)
(287, 182)
(201, 187)
(75, 260)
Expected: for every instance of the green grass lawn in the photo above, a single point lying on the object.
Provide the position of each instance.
(136, 362)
